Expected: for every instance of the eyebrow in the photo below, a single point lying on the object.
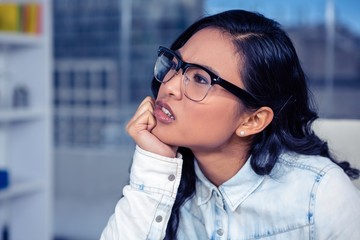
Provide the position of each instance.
(207, 67)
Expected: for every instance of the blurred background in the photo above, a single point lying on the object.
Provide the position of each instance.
(100, 57)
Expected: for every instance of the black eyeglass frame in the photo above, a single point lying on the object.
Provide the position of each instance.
(215, 79)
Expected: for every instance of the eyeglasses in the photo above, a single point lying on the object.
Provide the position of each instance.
(197, 79)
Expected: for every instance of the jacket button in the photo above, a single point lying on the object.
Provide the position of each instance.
(158, 218)
(171, 177)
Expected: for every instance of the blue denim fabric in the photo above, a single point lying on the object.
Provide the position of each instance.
(304, 197)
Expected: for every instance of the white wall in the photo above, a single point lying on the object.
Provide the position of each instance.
(87, 186)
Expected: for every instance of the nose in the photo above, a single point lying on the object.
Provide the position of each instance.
(173, 87)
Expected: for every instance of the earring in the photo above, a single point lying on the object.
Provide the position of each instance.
(242, 133)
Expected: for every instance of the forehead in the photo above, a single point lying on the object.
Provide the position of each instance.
(214, 49)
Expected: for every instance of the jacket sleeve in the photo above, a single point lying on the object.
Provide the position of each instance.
(144, 210)
(337, 210)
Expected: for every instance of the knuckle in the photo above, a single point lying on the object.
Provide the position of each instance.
(128, 127)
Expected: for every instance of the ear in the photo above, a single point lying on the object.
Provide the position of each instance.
(255, 122)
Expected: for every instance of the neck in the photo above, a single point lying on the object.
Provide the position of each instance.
(222, 164)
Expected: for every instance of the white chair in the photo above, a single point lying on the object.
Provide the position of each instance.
(343, 137)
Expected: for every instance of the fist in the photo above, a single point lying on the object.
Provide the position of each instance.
(139, 128)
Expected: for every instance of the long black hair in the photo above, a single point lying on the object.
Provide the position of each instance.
(270, 71)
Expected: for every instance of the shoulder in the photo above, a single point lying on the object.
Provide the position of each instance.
(308, 176)
(317, 179)
(307, 163)
(313, 191)
(304, 168)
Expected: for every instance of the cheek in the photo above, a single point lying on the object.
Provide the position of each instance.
(212, 126)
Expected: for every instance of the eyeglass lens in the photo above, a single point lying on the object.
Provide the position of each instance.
(197, 81)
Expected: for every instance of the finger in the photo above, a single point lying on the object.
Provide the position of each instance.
(145, 108)
(145, 121)
(146, 105)
(151, 122)
(146, 100)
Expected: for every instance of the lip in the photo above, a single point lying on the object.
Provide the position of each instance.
(160, 115)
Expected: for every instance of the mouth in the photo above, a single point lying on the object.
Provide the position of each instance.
(163, 112)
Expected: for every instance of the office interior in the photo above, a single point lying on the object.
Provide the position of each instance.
(72, 73)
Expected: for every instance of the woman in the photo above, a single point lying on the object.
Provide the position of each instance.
(226, 151)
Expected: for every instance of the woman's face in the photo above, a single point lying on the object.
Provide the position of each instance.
(211, 123)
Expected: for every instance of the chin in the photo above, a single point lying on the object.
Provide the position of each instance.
(165, 136)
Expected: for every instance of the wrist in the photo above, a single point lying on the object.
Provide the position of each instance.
(159, 153)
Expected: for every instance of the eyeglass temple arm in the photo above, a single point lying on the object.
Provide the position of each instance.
(240, 93)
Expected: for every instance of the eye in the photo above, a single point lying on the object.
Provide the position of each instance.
(198, 76)
(200, 79)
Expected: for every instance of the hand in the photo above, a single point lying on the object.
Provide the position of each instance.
(139, 128)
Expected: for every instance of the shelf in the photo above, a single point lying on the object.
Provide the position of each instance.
(8, 116)
(13, 39)
(19, 188)
(26, 129)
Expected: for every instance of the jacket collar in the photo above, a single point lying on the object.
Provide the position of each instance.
(234, 191)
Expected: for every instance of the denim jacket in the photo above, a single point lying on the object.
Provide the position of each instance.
(304, 197)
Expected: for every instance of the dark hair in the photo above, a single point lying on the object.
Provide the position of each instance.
(271, 71)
